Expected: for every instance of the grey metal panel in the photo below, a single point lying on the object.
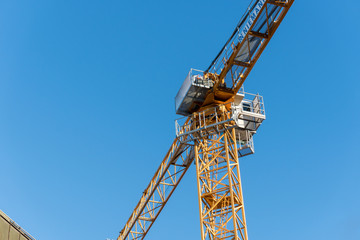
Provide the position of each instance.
(4, 229)
(243, 55)
(193, 90)
(194, 94)
(182, 92)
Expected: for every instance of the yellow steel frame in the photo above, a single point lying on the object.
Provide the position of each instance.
(285, 5)
(221, 204)
(158, 192)
(220, 95)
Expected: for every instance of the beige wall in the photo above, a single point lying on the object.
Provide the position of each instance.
(8, 231)
(4, 229)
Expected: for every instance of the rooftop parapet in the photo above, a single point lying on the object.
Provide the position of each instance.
(10, 230)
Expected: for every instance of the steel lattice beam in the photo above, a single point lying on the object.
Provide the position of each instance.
(227, 71)
(158, 192)
(221, 205)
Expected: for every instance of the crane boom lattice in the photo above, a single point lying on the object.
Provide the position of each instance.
(158, 192)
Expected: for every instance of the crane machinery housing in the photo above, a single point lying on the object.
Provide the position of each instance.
(217, 128)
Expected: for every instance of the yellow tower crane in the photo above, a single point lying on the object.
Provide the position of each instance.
(220, 120)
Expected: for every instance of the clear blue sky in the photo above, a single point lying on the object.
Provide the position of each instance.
(87, 113)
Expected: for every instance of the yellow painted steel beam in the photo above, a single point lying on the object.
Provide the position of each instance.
(258, 34)
(221, 204)
(263, 45)
(223, 93)
(162, 185)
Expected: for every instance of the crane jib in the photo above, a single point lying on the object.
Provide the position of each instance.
(252, 18)
(227, 73)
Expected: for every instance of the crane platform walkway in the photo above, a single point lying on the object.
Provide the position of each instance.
(247, 112)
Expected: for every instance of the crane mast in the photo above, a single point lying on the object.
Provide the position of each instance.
(220, 120)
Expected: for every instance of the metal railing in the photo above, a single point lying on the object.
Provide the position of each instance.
(251, 111)
(256, 102)
(245, 143)
(16, 226)
(194, 78)
(238, 36)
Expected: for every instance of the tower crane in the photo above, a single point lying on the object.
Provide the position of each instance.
(217, 128)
